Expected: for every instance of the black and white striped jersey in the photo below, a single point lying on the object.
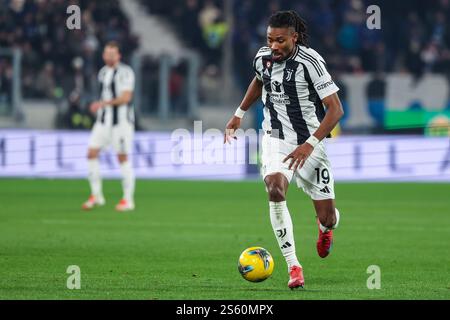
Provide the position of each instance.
(292, 93)
(113, 82)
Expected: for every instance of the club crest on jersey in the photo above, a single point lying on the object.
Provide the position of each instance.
(289, 73)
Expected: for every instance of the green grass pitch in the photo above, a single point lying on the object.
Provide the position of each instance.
(184, 239)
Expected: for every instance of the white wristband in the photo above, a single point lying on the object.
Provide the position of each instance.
(239, 113)
(313, 141)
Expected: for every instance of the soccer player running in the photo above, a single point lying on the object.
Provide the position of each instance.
(294, 85)
(114, 125)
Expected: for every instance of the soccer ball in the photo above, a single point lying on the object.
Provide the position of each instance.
(255, 264)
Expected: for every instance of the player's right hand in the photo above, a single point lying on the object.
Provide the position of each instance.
(231, 128)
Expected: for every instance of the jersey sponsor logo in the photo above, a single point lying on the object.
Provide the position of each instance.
(324, 85)
(276, 86)
(277, 96)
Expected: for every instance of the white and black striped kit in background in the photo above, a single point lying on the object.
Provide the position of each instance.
(113, 82)
(292, 93)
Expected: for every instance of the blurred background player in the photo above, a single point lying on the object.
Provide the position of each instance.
(294, 85)
(114, 125)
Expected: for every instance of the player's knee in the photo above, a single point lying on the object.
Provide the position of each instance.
(276, 192)
(92, 154)
(122, 158)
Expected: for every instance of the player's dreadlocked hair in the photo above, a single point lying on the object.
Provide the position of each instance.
(286, 19)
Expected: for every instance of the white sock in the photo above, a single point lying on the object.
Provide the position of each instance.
(127, 181)
(283, 229)
(325, 229)
(95, 180)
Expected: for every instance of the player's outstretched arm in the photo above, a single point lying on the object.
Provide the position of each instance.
(253, 93)
(332, 117)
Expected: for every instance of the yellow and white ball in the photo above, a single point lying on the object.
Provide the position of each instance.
(255, 264)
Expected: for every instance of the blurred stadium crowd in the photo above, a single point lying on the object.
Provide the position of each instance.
(60, 65)
(417, 41)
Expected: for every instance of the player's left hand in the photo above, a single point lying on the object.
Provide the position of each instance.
(299, 156)
(95, 106)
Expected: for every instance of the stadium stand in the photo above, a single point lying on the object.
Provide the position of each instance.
(55, 61)
(337, 30)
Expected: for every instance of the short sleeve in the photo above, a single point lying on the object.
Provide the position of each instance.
(255, 68)
(321, 79)
(127, 79)
(257, 62)
(324, 84)
(100, 75)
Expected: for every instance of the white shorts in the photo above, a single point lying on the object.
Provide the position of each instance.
(315, 177)
(120, 136)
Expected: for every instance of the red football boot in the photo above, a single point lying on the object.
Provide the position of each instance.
(296, 277)
(92, 202)
(125, 205)
(325, 242)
